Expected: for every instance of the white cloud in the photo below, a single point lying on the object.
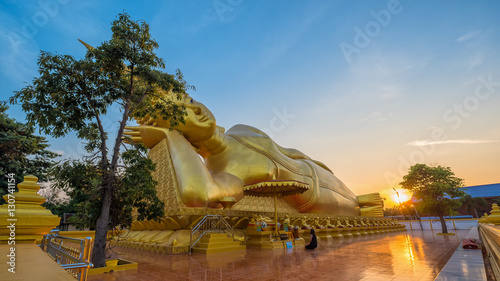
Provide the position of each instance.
(459, 141)
(469, 36)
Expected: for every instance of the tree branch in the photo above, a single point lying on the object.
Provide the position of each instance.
(123, 122)
(102, 133)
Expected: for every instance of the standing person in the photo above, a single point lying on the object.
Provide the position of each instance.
(313, 242)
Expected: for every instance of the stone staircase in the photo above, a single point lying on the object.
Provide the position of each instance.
(217, 243)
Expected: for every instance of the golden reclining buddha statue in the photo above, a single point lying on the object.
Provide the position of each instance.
(243, 155)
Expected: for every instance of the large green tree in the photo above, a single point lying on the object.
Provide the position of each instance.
(21, 151)
(436, 189)
(75, 95)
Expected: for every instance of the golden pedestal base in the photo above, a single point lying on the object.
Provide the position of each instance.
(114, 265)
(346, 232)
(262, 239)
(323, 234)
(336, 233)
(271, 245)
(355, 231)
(362, 230)
(299, 243)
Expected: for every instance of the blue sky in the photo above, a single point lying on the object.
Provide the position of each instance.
(367, 87)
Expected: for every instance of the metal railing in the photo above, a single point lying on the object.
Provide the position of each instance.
(209, 224)
(65, 251)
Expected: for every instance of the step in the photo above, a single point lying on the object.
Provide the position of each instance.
(215, 235)
(217, 245)
(219, 250)
(216, 240)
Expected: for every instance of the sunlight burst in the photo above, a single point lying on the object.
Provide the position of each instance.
(404, 195)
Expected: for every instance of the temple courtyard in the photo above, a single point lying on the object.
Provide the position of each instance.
(410, 255)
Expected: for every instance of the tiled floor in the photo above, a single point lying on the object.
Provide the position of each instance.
(417, 255)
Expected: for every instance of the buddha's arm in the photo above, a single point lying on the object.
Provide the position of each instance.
(197, 186)
(148, 135)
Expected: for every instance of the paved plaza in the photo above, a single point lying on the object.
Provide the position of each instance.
(411, 255)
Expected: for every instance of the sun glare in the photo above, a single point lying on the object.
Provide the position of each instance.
(404, 195)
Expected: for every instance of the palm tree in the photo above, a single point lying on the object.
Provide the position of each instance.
(479, 204)
(466, 201)
(473, 204)
(497, 201)
(404, 208)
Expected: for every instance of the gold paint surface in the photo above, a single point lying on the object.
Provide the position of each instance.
(202, 164)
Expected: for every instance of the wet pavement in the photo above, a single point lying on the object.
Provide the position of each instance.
(411, 255)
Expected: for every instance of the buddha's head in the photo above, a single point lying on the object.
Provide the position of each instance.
(199, 122)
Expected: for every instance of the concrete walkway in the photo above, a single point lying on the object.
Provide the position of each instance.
(31, 264)
(465, 264)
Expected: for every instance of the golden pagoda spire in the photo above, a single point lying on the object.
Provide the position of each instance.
(22, 219)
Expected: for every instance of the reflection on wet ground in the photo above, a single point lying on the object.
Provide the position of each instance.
(411, 255)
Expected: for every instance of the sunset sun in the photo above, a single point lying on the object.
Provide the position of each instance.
(404, 195)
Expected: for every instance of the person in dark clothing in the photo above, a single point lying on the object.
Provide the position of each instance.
(313, 243)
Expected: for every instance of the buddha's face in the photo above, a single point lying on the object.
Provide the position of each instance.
(199, 121)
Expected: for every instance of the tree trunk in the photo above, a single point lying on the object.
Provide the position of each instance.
(402, 211)
(443, 224)
(475, 211)
(101, 232)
